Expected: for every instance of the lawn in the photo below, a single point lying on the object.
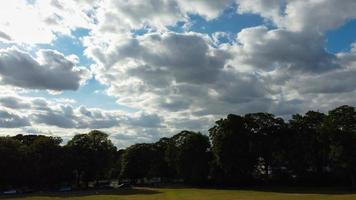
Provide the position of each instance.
(198, 194)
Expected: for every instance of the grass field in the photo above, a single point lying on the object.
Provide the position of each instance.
(196, 194)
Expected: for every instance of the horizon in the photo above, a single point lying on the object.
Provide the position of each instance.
(140, 71)
(64, 141)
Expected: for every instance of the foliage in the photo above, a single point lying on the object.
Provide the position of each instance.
(91, 155)
(254, 149)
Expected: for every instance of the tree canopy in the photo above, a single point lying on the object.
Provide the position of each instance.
(258, 148)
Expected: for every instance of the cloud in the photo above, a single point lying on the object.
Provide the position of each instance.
(97, 119)
(277, 67)
(49, 70)
(209, 9)
(301, 16)
(14, 103)
(348, 59)
(269, 9)
(171, 72)
(48, 19)
(188, 74)
(180, 80)
(240, 88)
(273, 49)
(65, 116)
(4, 36)
(10, 120)
(334, 82)
(70, 117)
(160, 59)
(117, 16)
(121, 15)
(318, 15)
(62, 117)
(145, 120)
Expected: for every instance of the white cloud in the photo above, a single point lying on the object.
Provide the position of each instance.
(269, 9)
(65, 118)
(193, 75)
(115, 16)
(39, 22)
(318, 15)
(302, 16)
(274, 49)
(209, 9)
(178, 80)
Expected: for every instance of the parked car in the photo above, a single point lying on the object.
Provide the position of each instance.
(10, 192)
(65, 189)
(124, 185)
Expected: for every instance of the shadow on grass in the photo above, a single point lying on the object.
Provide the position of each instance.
(114, 192)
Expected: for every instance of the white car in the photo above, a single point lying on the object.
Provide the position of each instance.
(10, 192)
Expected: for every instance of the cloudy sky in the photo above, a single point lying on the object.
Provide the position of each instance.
(140, 70)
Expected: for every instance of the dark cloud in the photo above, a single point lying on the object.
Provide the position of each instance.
(50, 70)
(201, 124)
(62, 118)
(11, 120)
(67, 117)
(4, 36)
(241, 88)
(334, 82)
(14, 103)
(145, 120)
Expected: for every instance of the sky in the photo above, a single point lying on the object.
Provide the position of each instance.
(142, 70)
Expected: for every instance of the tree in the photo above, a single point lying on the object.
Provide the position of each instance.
(265, 132)
(190, 153)
(44, 161)
(46, 158)
(11, 165)
(313, 148)
(136, 161)
(341, 125)
(309, 147)
(160, 165)
(116, 166)
(232, 149)
(92, 155)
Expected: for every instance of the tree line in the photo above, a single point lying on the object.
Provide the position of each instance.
(254, 149)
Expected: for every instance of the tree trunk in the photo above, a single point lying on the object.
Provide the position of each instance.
(353, 180)
(77, 178)
(267, 171)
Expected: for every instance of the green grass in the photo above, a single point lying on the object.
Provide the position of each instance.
(197, 194)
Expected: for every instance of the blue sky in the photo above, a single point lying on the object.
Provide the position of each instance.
(340, 39)
(151, 71)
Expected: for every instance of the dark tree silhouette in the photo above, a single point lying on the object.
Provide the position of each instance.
(136, 161)
(189, 154)
(92, 155)
(341, 125)
(254, 149)
(232, 148)
(264, 130)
